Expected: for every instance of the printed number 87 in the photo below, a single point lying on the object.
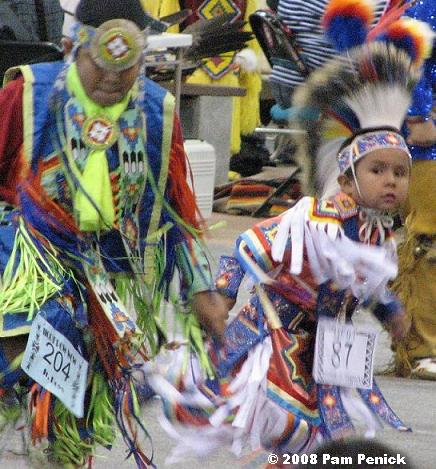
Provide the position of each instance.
(336, 358)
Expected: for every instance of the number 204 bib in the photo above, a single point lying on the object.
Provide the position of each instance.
(54, 359)
(344, 354)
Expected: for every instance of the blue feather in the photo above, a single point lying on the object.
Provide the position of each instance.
(346, 32)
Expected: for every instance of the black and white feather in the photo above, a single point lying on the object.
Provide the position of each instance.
(216, 36)
(369, 86)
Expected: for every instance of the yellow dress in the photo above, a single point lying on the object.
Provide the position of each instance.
(246, 109)
(160, 8)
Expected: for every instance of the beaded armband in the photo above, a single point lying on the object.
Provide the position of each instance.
(229, 276)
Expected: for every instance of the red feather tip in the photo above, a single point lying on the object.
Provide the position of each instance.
(351, 8)
(417, 33)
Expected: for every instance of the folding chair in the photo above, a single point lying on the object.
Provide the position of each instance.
(276, 39)
(13, 53)
(279, 46)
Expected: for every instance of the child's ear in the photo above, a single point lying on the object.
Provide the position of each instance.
(345, 183)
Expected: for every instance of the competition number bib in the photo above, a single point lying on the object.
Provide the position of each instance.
(53, 362)
(344, 354)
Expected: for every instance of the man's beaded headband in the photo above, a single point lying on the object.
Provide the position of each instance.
(115, 45)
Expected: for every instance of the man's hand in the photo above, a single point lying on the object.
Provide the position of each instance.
(229, 302)
(211, 311)
(399, 326)
(422, 133)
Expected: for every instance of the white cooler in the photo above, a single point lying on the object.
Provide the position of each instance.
(202, 159)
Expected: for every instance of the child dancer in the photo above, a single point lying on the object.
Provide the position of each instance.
(321, 258)
(414, 356)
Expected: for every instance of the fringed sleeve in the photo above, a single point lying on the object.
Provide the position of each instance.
(180, 194)
(191, 258)
(11, 139)
(331, 255)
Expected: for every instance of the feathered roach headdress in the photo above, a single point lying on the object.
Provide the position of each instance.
(369, 92)
(365, 92)
(413, 36)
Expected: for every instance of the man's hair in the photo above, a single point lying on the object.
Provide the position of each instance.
(96, 12)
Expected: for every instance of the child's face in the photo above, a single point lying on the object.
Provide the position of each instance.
(383, 177)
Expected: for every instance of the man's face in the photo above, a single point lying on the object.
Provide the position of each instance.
(103, 86)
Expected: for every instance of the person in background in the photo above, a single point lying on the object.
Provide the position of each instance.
(303, 18)
(31, 20)
(230, 69)
(416, 283)
(160, 8)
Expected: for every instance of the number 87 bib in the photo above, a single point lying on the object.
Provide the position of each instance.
(344, 354)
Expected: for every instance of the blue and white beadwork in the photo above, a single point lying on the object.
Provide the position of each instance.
(365, 143)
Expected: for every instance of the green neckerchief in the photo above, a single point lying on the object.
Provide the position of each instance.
(95, 179)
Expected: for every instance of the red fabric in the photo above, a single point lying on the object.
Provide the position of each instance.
(180, 193)
(105, 337)
(12, 161)
(11, 139)
(194, 6)
(40, 400)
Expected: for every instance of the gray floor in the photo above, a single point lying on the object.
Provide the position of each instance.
(413, 400)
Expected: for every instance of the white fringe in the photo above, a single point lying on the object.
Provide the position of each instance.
(327, 170)
(377, 105)
(258, 421)
(366, 270)
(358, 411)
(193, 440)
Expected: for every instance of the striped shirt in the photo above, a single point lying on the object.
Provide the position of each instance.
(303, 17)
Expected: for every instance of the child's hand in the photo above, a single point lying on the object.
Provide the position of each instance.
(211, 311)
(399, 326)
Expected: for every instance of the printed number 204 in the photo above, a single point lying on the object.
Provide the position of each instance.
(58, 361)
